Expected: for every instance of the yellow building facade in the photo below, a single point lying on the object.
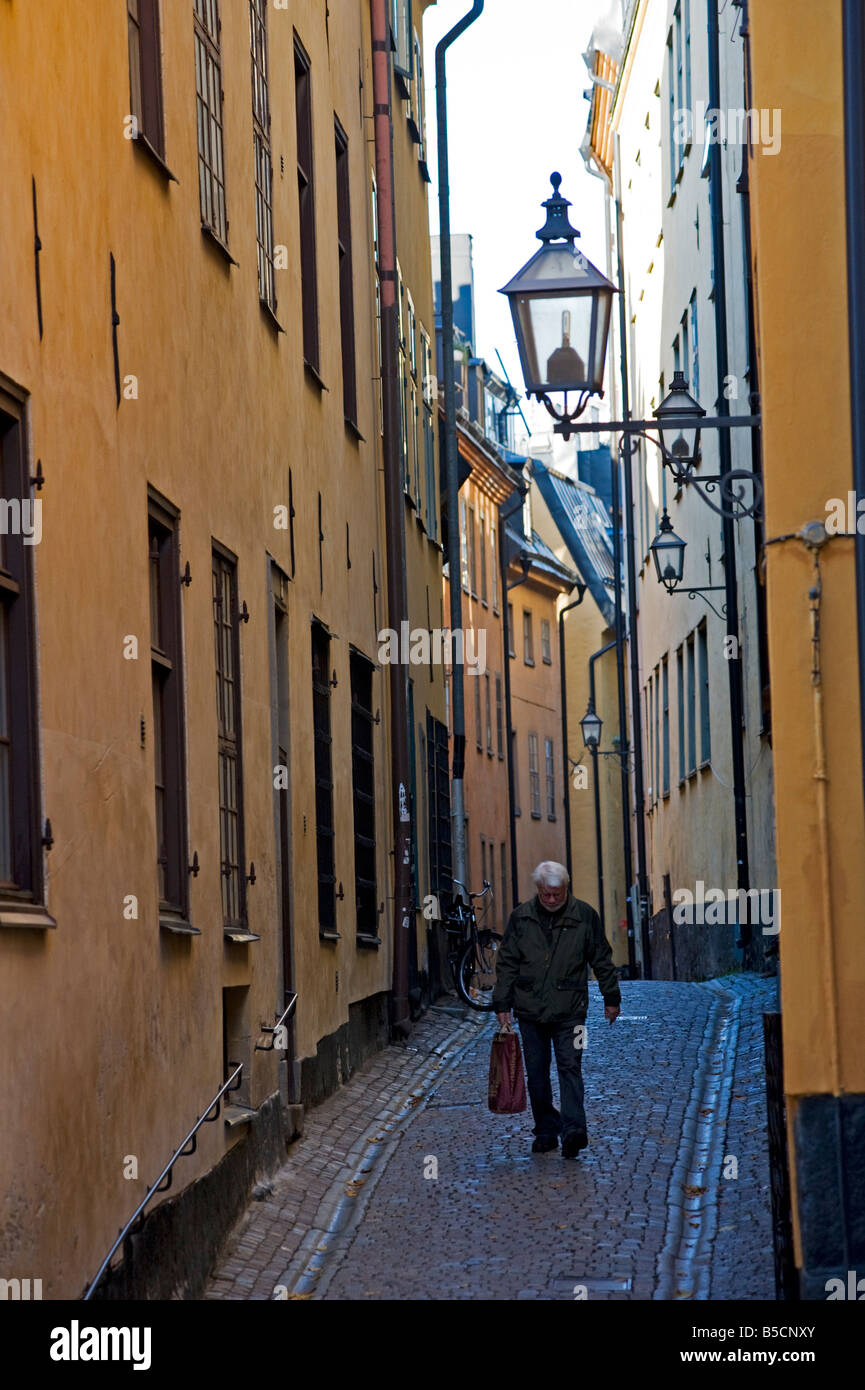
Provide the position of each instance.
(807, 63)
(201, 806)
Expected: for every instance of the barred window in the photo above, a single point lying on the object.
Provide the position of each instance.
(21, 870)
(363, 795)
(324, 819)
(208, 88)
(168, 720)
(262, 152)
(226, 634)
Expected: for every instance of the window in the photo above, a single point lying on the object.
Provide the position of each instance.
(692, 694)
(208, 88)
(512, 651)
(551, 779)
(665, 732)
(534, 776)
(226, 635)
(483, 539)
(695, 356)
(514, 752)
(306, 203)
(346, 291)
(168, 725)
(324, 822)
(428, 395)
(417, 119)
(647, 715)
(438, 786)
(473, 559)
(499, 725)
(21, 871)
(494, 568)
(680, 685)
(503, 862)
(528, 639)
(703, 674)
(476, 681)
(145, 72)
(363, 795)
(545, 642)
(488, 709)
(261, 152)
(401, 27)
(464, 546)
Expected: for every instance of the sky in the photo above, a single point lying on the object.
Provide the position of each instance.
(516, 112)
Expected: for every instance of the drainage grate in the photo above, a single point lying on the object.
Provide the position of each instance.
(565, 1283)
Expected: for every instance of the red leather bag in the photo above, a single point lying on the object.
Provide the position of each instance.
(507, 1089)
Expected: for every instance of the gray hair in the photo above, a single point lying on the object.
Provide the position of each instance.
(549, 874)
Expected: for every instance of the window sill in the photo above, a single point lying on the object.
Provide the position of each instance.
(313, 375)
(548, 661)
(484, 602)
(179, 925)
(25, 914)
(490, 753)
(239, 936)
(270, 314)
(329, 936)
(528, 661)
(536, 815)
(551, 818)
(424, 171)
(213, 240)
(705, 765)
(235, 1115)
(154, 157)
(352, 430)
(367, 943)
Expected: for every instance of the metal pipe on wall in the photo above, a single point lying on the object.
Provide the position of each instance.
(458, 714)
(599, 846)
(397, 591)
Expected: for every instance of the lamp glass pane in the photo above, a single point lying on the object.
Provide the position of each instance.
(557, 335)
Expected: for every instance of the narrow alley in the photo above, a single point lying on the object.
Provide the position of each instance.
(405, 1186)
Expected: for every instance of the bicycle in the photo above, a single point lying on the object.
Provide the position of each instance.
(472, 956)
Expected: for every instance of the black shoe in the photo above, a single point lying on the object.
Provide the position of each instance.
(545, 1146)
(572, 1143)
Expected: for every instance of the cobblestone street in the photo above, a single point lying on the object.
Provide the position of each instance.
(674, 1091)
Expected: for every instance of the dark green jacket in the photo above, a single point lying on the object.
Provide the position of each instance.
(548, 983)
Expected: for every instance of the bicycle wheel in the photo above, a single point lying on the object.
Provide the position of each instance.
(476, 977)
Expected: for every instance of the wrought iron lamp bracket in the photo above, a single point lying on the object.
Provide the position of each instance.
(564, 418)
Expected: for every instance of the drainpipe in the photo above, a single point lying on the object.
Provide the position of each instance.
(397, 593)
(734, 664)
(627, 848)
(598, 841)
(638, 912)
(458, 831)
(854, 129)
(565, 760)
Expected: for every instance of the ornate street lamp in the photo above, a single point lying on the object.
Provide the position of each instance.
(679, 416)
(591, 725)
(560, 305)
(668, 551)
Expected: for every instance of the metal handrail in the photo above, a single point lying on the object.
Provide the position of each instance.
(266, 1028)
(180, 1152)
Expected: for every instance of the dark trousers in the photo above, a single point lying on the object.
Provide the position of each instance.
(538, 1039)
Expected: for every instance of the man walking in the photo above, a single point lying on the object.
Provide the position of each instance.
(541, 973)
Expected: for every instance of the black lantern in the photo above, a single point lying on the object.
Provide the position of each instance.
(561, 305)
(591, 727)
(668, 550)
(680, 439)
